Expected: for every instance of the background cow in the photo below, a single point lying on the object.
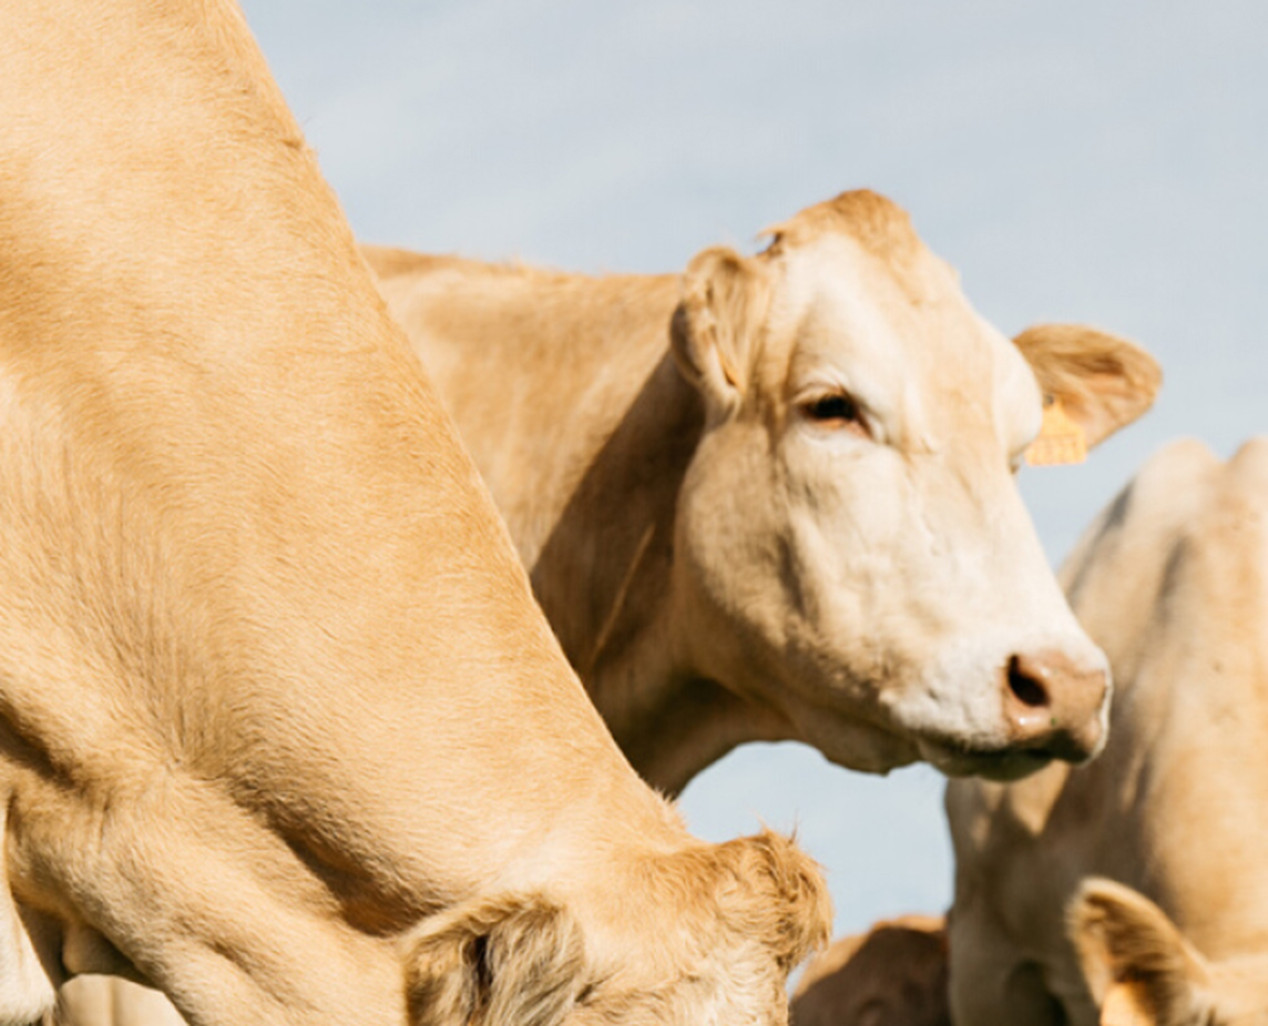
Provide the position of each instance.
(893, 975)
(281, 728)
(771, 498)
(1172, 580)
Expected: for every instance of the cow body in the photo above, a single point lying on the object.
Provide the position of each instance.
(1172, 580)
(771, 498)
(282, 731)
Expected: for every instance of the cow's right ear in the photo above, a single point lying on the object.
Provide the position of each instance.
(508, 961)
(1138, 967)
(717, 324)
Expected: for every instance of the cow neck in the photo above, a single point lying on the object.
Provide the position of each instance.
(567, 396)
(604, 577)
(685, 724)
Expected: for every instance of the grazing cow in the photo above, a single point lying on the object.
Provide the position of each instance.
(281, 729)
(893, 975)
(1172, 581)
(772, 498)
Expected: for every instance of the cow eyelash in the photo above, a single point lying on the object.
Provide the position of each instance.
(835, 409)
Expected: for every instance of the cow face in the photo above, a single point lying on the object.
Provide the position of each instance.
(851, 545)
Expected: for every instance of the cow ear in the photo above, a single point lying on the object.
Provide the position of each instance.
(1138, 967)
(783, 898)
(515, 959)
(718, 321)
(1126, 1004)
(1103, 382)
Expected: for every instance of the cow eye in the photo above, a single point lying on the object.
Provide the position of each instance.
(835, 409)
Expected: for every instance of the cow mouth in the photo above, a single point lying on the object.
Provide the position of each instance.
(1001, 764)
(878, 745)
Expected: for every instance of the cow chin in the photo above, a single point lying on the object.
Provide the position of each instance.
(1001, 766)
(1001, 760)
(872, 749)
(881, 743)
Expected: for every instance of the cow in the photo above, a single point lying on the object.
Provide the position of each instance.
(772, 497)
(1133, 890)
(895, 974)
(282, 731)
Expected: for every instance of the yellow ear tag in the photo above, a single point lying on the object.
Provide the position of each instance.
(1061, 440)
(1124, 1006)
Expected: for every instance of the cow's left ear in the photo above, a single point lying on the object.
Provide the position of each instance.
(716, 325)
(1103, 382)
(1137, 965)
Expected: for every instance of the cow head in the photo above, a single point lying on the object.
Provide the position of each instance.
(1141, 971)
(724, 926)
(851, 548)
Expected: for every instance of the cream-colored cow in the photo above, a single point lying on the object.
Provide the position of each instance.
(797, 519)
(1172, 580)
(893, 975)
(281, 728)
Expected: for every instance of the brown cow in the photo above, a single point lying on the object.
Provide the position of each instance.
(281, 729)
(1172, 580)
(893, 975)
(796, 518)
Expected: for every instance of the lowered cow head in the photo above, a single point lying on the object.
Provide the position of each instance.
(850, 526)
(744, 914)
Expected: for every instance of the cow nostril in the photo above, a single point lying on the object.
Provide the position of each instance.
(1028, 691)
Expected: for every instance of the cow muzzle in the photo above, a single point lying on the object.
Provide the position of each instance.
(1053, 707)
(1039, 704)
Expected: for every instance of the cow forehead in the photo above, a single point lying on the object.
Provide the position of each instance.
(877, 224)
(901, 336)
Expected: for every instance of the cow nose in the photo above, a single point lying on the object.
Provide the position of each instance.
(1052, 705)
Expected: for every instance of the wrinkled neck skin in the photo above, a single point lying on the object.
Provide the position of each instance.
(594, 520)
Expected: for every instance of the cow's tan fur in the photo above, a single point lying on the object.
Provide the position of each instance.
(715, 570)
(281, 728)
(1172, 580)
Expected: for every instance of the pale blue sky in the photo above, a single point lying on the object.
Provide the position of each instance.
(1077, 160)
